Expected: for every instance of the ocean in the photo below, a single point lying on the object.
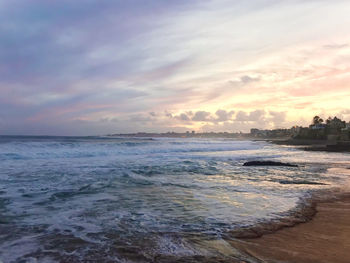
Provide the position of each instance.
(111, 199)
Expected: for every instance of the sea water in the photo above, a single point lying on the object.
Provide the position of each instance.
(126, 199)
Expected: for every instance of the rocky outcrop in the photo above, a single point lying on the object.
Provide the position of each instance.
(268, 163)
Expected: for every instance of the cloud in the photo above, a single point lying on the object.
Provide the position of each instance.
(223, 115)
(248, 79)
(336, 46)
(253, 116)
(242, 81)
(73, 64)
(202, 116)
(278, 118)
(183, 117)
(168, 114)
(220, 116)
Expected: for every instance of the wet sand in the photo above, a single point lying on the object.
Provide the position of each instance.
(323, 239)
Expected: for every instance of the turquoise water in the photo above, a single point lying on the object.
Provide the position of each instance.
(99, 198)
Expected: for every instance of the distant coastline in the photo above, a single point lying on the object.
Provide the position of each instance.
(316, 145)
(332, 135)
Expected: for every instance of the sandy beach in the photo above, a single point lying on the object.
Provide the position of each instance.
(325, 238)
(319, 233)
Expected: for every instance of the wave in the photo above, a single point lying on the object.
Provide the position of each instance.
(122, 195)
(91, 148)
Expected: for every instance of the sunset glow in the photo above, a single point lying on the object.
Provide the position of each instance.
(98, 67)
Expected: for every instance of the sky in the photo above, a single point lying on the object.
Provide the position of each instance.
(88, 67)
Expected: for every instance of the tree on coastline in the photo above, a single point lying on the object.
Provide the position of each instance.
(317, 120)
(336, 124)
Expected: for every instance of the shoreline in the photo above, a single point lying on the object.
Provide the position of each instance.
(309, 233)
(316, 230)
(304, 212)
(323, 238)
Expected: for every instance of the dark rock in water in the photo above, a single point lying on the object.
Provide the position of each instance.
(300, 182)
(268, 163)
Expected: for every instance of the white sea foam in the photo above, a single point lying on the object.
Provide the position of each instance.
(91, 188)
